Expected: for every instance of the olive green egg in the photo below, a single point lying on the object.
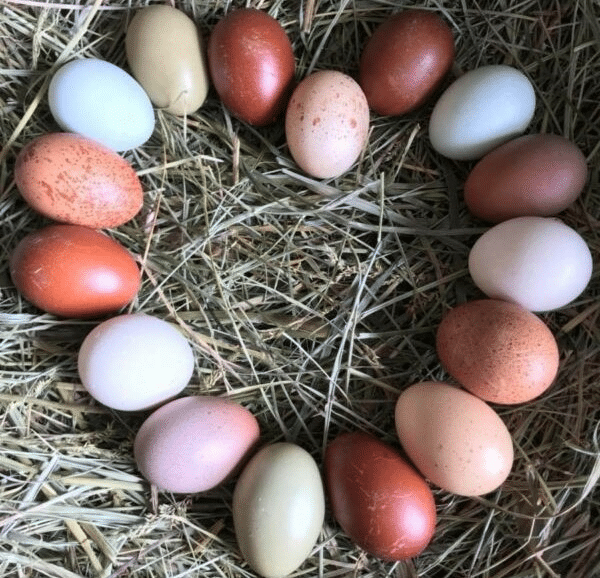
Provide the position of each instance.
(278, 509)
(166, 56)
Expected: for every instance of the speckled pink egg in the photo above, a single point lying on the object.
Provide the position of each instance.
(193, 444)
(327, 123)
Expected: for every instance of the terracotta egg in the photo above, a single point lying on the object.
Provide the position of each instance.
(251, 65)
(380, 501)
(74, 271)
(533, 175)
(405, 60)
(327, 123)
(454, 438)
(193, 444)
(498, 350)
(73, 179)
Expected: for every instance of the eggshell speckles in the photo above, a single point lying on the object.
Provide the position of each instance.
(166, 56)
(539, 174)
(327, 123)
(252, 65)
(73, 179)
(538, 262)
(455, 439)
(380, 501)
(497, 350)
(278, 509)
(134, 362)
(405, 60)
(193, 444)
(74, 271)
(481, 110)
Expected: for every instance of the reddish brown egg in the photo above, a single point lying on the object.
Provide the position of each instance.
(497, 350)
(252, 65)
(74, 271)
(378, 499)
(405, 60)
(533, 175)
(76, 180)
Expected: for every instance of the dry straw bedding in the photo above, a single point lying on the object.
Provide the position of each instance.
(312, 303)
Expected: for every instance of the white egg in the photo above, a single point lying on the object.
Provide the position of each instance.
(481, 110)
(101, 101)
(135, 362)
(538, 262)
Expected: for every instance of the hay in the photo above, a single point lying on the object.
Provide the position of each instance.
(312, 303)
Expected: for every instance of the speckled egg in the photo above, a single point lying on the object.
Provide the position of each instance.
(327, 123)
(73, 179)
(498, 350)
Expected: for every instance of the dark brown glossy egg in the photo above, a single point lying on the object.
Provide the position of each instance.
(404, 61)
(535, 175)
(379, 500)
(252, 65)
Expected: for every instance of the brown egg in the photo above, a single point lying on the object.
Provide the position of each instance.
(73, 179)
(252, 65)
(166, 56)
(405, 60)
(379, 500)
(74, 271)
(533, 175)
(497, 350)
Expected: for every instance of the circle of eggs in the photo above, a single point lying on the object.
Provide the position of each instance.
(134, 362)
(99, 100)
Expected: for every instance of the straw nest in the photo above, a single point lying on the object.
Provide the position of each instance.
(314, 304)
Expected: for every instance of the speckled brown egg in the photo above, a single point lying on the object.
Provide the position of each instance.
(533, 175)
(327, 123)
(405, 60)
(74, 271)
(252, 65)
(497, 350)
(73, 179)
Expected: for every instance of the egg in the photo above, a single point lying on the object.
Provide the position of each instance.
(166, 56)
(74, 271)
(278, 509)
(73, 179)
(533, 175)
(134, 362)
(195, 443)
(497, 350)
(538, 262)
(379, 500)
(405, 60)
(455, 439)
(99, 100)
(252, 65)
(479, 111)
(327, 123)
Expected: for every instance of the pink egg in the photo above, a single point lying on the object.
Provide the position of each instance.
(193, 444)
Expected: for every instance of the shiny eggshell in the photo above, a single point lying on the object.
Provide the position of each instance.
(134, 362)
(497, 350)
(252, 65)
(193, 444)
(73, 179)
(278, 509)
(327, 123)
(405, 60)
(100, 100)
(455, 439)
(479, 111)
(74, 271)
(379, 500)
(538, 262)
(540, 174)
(166, 56)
